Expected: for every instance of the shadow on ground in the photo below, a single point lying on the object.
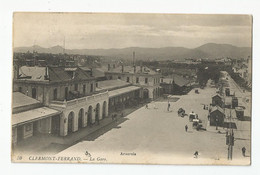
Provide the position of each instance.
(93, 136)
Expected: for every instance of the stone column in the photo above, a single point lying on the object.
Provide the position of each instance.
(63, 125)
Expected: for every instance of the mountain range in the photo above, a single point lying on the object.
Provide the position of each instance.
(209, 50)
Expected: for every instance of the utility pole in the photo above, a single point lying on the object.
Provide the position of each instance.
(230, 138)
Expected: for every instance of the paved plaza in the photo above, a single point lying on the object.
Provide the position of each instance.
(156, 135)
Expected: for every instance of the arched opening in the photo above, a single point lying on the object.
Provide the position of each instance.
(70, 122)
(104, 109)
(146, 93)
(90, 109)
(80, 118)
(97, 112)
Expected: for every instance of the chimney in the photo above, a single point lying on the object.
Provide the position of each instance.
(108, 67)
(46, 76)
(122, 68)
(91, 72)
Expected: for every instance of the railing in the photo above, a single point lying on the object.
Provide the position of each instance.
(79, 100)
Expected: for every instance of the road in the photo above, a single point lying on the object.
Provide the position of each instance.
(157, 136)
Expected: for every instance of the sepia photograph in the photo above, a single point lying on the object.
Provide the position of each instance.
(131, 88)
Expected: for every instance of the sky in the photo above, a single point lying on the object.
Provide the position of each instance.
(111, 30)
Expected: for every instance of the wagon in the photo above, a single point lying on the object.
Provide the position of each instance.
(181, 112)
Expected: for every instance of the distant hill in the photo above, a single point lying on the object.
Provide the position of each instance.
(225, 50)
(210, 50)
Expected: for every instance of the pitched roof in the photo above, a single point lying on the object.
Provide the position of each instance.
(33, 115)
(81, 75)
(58, 74)
(217, 108)
(20, 100)
(55, 74)
(179, 80)
(216, 95)
(35, 73)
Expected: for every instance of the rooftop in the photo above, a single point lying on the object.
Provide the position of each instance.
(130, 69)
(96, 72)
(215, 108)
(179, 80)
(111, 84)
(20, 100)
(120, 91)
(52, 74)
(32, 115)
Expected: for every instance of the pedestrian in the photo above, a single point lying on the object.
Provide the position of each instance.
(244, 151)
(116, 117)
(169, 105)
(113, 117)
(196, 154)
(204, 107)
(146, 106)
(186, 128)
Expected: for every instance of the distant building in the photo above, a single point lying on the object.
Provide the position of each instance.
(98, 73)
(216, 116)
(217, 100)
(176, 84)
(140, 76)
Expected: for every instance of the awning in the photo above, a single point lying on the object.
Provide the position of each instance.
(121, 91)
(33, 115)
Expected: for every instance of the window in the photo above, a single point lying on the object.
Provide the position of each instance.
(96, 84)
(110, 77)
(84, 89)
(34, 93)
(137, 79)
(119, 77)
(55, 93)
(91, 87)
(162, 80)
(153, 81)
(146, 80)
(127, 79)
(76, 87)
(20, 89)
(28, 127)
(66, 92)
